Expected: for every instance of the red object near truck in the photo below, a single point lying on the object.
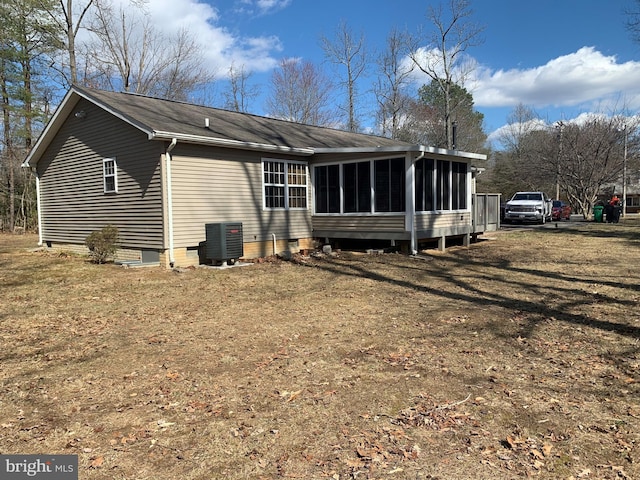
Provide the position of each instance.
(560, 210)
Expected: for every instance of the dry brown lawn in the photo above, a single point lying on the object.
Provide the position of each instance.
(516, 357)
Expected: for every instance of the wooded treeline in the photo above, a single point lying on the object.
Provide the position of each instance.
(48, 45)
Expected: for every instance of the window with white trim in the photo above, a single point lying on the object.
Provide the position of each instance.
(440, 185)
(459, 185)
(389, 185)
(370, 186)
(110, 175)
(356, 178)
(327, 188)
(284, 184)
(443, 185)
(424, 192)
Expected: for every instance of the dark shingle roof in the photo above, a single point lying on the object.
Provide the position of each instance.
(167, 120)
(166, 116)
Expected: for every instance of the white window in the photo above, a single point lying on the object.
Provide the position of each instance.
(285, 184)
(110, 175)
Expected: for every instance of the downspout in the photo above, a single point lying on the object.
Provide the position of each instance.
(39, 208)
(273, 237)
(411, 202)
(171, 146)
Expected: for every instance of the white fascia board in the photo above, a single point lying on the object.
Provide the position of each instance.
(379, 149)
(223, 142)
(451, 153)
(420, 149)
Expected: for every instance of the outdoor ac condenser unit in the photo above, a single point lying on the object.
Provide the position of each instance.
(224, 241)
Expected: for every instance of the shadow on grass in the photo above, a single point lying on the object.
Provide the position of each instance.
(468, 291)
(628, 230)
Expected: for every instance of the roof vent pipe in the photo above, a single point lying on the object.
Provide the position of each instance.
(206, 123)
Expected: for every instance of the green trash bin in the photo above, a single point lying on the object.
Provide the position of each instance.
(597, 213)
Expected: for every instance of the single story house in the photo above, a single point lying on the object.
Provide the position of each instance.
(162, 170)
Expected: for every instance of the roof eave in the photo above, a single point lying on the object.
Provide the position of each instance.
(422, 149)
(380, 149)
(223, 142)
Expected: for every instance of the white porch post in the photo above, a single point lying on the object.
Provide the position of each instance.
(410, 202)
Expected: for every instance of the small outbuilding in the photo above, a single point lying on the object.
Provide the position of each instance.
(162, 171)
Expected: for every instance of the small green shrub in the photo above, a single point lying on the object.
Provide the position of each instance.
(102, 243)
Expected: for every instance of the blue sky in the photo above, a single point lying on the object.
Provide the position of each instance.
(562, 58)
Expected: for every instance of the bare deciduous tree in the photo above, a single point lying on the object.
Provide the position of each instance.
(131, 55)
(70, 18)
(349, 52)
(300, 93)
(580, 159)
(520, 123)
(590, 155)
(391, 85)
(443, 59)
(518, 165)
(239, 92)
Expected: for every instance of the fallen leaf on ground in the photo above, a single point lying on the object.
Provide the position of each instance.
(294, 395)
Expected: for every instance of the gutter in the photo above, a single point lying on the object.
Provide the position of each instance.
(223, 142)
(171, 146)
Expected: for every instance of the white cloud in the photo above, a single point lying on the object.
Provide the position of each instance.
(431, 60)
(222, 46)
(262, 7)
(583, 77)
(272, 5)
(513, 130)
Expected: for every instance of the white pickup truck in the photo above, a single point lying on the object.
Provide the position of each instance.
(528, 207)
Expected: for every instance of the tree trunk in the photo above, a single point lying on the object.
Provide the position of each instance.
(8, 147)
(71, 43)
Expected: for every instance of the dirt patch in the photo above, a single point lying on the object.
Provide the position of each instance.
(514, 357)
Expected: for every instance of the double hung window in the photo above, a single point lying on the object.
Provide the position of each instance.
(284, 184)
(110, 175)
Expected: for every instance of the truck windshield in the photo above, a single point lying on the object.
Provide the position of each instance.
(526, 196)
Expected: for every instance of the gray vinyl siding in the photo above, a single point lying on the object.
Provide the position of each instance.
(434, 225)
(429, 225)
(213, 185)
(360, 226)
(73, 201)
(426, 221)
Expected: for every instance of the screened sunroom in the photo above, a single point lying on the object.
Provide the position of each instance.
(406, 198)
